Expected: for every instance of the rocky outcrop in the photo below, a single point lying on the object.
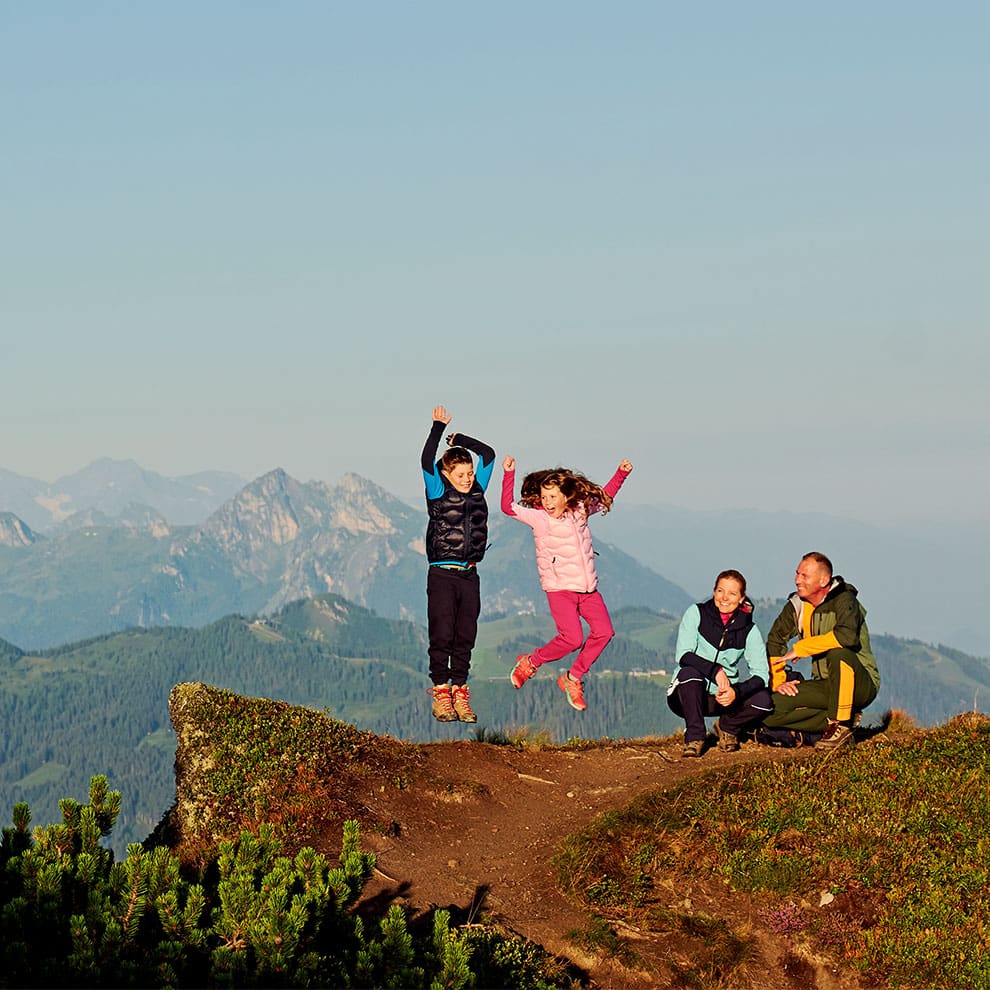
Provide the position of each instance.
(243, 761)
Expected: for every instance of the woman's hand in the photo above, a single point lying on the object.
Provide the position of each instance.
(726, 693)
(440, 415)
(509, 464)
(625, 466)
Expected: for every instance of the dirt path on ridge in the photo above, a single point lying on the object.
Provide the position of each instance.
(476, 831)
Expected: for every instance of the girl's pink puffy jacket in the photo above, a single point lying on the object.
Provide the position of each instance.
(565, 557)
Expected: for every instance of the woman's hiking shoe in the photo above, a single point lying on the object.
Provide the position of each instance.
(523, 670)
(835, 735)
(443, 706)
(727, 742)
(573, 690)
(694, 748)
(461, 701)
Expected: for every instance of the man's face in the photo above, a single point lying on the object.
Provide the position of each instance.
(461, 476)
(811, 579)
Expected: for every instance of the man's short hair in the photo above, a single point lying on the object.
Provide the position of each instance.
(820, 559)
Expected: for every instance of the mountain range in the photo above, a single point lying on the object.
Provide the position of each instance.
(275, 541)
(188, 550)
(107, 489)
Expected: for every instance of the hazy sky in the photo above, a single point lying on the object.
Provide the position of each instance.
(744, 245)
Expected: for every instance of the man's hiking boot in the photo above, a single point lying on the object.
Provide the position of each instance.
(461, 701)
(443, 707)
(523, 670)
(835, 735)
(785, 738)
(693, 749)
(727, 742)
(573, 690)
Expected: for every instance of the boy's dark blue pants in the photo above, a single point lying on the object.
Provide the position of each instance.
(453, 604)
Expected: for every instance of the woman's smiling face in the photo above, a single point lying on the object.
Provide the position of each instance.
(728, 595)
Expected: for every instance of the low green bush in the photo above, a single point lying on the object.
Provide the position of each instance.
(70, 916)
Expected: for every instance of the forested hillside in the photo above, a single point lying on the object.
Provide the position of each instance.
(100, 706)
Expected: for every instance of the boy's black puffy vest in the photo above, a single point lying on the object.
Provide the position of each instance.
(725, 637)
(458, 526)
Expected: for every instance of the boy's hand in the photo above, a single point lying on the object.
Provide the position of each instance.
(509, 464)
(625, 466)
(440, 415)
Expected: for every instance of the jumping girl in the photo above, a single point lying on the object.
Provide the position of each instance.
(556, 503)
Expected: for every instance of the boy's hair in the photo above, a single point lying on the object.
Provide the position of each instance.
(736, 576)
(576, 488)
(455, 456)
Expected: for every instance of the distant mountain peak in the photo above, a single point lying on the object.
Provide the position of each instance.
(260, 514)
(14, 532)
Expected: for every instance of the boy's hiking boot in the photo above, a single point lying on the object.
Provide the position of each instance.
(727, 742)
(693, 749)
(523, 670)
(835, 735)
(573, 690)
(443, 707)
(461, 701)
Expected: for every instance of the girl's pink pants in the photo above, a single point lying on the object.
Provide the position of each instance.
(568, 608)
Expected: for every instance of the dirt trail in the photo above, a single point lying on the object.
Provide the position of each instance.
(476, 831)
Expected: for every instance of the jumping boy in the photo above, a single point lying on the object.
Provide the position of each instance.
(456, 540)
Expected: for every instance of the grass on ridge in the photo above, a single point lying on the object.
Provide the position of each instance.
(878, 857)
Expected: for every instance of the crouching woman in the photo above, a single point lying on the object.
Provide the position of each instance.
(712, 638)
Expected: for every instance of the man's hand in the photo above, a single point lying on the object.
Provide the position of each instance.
(789, 688)
(440, 415)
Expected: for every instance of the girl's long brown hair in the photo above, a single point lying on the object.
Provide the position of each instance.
(576, 488)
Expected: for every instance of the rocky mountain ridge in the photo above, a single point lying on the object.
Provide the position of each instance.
(687, 546)
(274, 541)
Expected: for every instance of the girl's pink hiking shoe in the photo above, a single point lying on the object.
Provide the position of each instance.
(523, 670)
(574, 691)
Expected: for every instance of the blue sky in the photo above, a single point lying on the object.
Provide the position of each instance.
(744, 245)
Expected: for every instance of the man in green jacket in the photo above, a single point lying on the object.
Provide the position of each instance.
(828, 622)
